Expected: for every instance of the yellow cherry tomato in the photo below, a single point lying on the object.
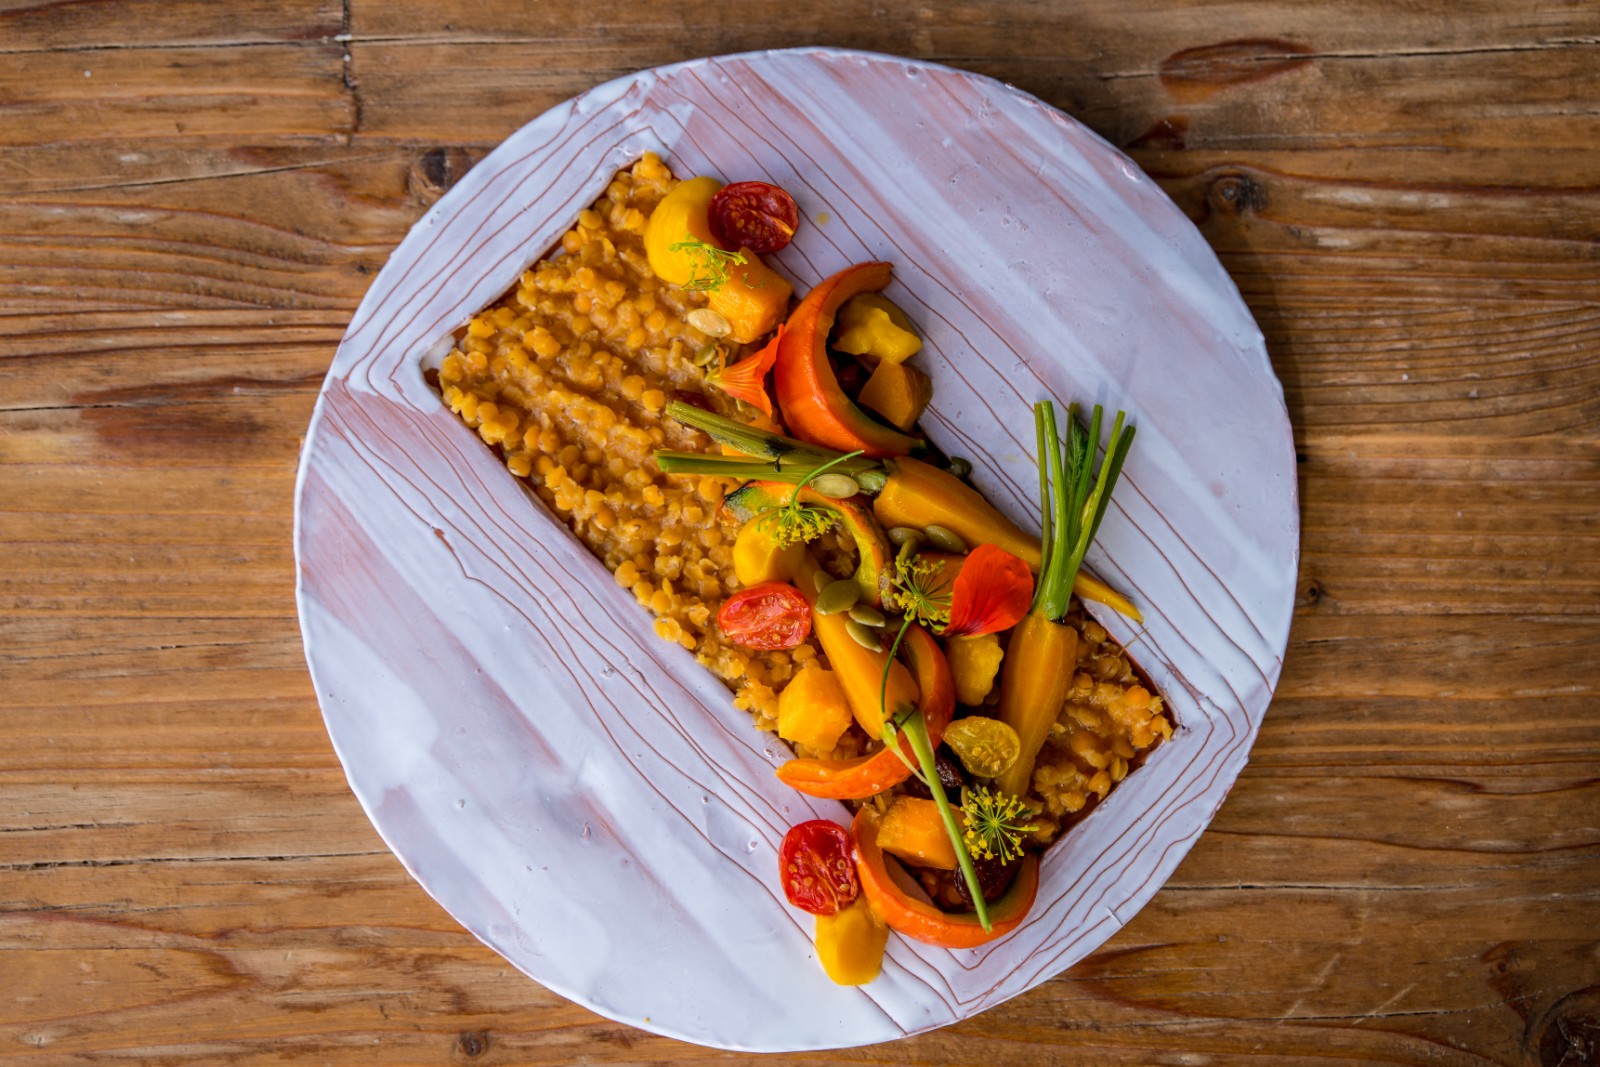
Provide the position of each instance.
(986, 747)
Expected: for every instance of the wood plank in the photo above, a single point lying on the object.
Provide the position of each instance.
(1372, 322)
(245, 987)
(90, 25)
(1156, 972)
(1414, 524)
(472, 84)
(288, 90)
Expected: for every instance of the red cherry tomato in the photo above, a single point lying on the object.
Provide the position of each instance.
(753, 215)
(771, 617)
(817, 863)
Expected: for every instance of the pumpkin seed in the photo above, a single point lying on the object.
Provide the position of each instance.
(708, 322)
(947, 540)
(822, 579)
(872, 481)
(867, 615)
(959, 467)
(900, 536)
(836, 486)
(838, 596)
(865, 636)
(705, 355)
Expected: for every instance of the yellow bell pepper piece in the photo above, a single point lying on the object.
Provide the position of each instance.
(684, 214)
(758, 558)
(813, 710)
(850, 944)
(872, 327)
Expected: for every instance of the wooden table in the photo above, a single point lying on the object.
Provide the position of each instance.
(194, 197)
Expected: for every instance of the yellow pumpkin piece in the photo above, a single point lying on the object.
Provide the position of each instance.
(872, 327)
(812, 709)
(754, 299)
(912, 830)
(974, 663)
(897, 392)
(682, 215)
(850, 944)
(757, 558)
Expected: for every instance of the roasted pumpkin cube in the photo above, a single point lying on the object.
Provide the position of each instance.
(913, 830)
(813, 710)
(897, 392)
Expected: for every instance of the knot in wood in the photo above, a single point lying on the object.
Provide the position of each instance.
(472, 1043)
(1237, 194)
(435, 171)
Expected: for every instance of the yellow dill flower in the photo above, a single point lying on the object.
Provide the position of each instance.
(994, 824)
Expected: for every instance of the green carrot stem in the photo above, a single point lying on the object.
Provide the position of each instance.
(927, 768)
(750, 439)
(1053, 595)
(916, 729)
(1042, 410)
(1076, 499)
(1116, 455)
(744, 467)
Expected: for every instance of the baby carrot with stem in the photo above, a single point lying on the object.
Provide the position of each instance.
(1042, 653)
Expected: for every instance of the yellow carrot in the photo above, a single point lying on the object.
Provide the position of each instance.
(1042, 654)
(858, 668)
(1034, 679)
(920, 495)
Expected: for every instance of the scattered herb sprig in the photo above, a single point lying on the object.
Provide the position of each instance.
(795, 522)
(708, 268)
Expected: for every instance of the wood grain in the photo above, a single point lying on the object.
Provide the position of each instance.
(1407, 198)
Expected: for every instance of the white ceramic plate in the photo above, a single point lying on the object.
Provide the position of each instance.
(581, 795)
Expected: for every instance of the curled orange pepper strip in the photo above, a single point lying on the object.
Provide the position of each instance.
(887, 889)
(814, 406)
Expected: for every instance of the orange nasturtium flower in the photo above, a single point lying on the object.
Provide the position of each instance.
(991, 592)
(747, 379)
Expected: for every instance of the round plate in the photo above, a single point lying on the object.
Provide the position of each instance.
(580, 794)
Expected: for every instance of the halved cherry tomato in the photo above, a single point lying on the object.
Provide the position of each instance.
(817, 864)
(753, 215)
(770, 617)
